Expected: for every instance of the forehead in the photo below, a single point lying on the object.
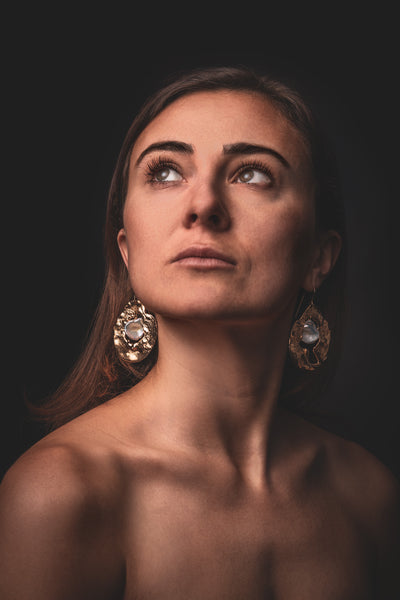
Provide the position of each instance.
(209, 120)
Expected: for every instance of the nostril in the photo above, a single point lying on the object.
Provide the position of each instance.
(210, 219)
(214, 219)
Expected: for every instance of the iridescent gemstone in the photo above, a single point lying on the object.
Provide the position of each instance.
(134, 329)
(310, 332)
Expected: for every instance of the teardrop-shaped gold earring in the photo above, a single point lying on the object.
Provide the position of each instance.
(135, 332)
(309, 339)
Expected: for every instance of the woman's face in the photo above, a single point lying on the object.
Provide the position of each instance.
(219, 220)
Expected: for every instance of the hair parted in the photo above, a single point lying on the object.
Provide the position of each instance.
(98, 374)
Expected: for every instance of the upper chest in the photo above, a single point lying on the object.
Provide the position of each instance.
(186, 543)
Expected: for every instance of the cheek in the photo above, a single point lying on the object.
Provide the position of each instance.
(146, 237)
(286, 244)
(142, 244)
(141, 238)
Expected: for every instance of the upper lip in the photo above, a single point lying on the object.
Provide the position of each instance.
(203, 252)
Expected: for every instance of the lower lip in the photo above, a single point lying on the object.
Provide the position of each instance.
(198, 262)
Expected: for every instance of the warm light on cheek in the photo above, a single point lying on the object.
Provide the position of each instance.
(143, 234)
(144, 241)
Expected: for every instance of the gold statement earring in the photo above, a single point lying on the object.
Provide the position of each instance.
(309, 338)
(135, 332)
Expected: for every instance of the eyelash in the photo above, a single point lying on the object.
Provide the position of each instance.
(256, 165)
(157, 164)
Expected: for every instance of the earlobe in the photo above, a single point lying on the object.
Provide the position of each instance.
(327, 253)
(122, 245)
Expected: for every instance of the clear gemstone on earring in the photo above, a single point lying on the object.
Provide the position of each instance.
(310, 332)
(134, 330)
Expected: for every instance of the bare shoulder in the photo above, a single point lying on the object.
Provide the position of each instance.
(65, 464)
(57, 519)
(56, 484)
(370, 492)
(81, 465)
(362, 478)
(353, 471)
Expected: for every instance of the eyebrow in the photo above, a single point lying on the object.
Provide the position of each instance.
(228, 149)
(245, 148)
(170, 145)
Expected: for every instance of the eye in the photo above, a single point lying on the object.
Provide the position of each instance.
(166, 174)
(254, 175)
(161, 170)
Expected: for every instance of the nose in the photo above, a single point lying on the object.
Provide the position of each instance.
(206, 207)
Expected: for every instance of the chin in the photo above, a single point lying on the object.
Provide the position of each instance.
(193, 310)
(208, 302)
(184, 306)
(206, 309)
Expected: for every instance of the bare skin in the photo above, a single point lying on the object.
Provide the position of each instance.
(195, 483)
(90, 513)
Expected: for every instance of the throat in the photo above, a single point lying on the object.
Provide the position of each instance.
(223, 358)
(215, 390)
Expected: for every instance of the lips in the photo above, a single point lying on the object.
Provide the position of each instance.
(204, 252)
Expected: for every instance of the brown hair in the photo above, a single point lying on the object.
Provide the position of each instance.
(98, 375)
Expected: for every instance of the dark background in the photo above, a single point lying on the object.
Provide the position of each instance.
(73, 83)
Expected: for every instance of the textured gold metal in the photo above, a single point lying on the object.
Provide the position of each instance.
(309, 357)
(129, 350)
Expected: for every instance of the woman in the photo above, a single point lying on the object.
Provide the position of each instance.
(175, 468)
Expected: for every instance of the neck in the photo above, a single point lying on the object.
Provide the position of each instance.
(216, 385)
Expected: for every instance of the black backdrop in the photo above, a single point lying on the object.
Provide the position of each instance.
(72, 84)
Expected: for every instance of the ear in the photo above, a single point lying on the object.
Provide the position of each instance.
(327, 251)
(123, 245)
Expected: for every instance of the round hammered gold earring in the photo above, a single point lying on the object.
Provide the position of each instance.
(135, 332)
(309, 339)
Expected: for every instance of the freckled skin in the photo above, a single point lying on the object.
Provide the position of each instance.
(196, 484)
(269, 231)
